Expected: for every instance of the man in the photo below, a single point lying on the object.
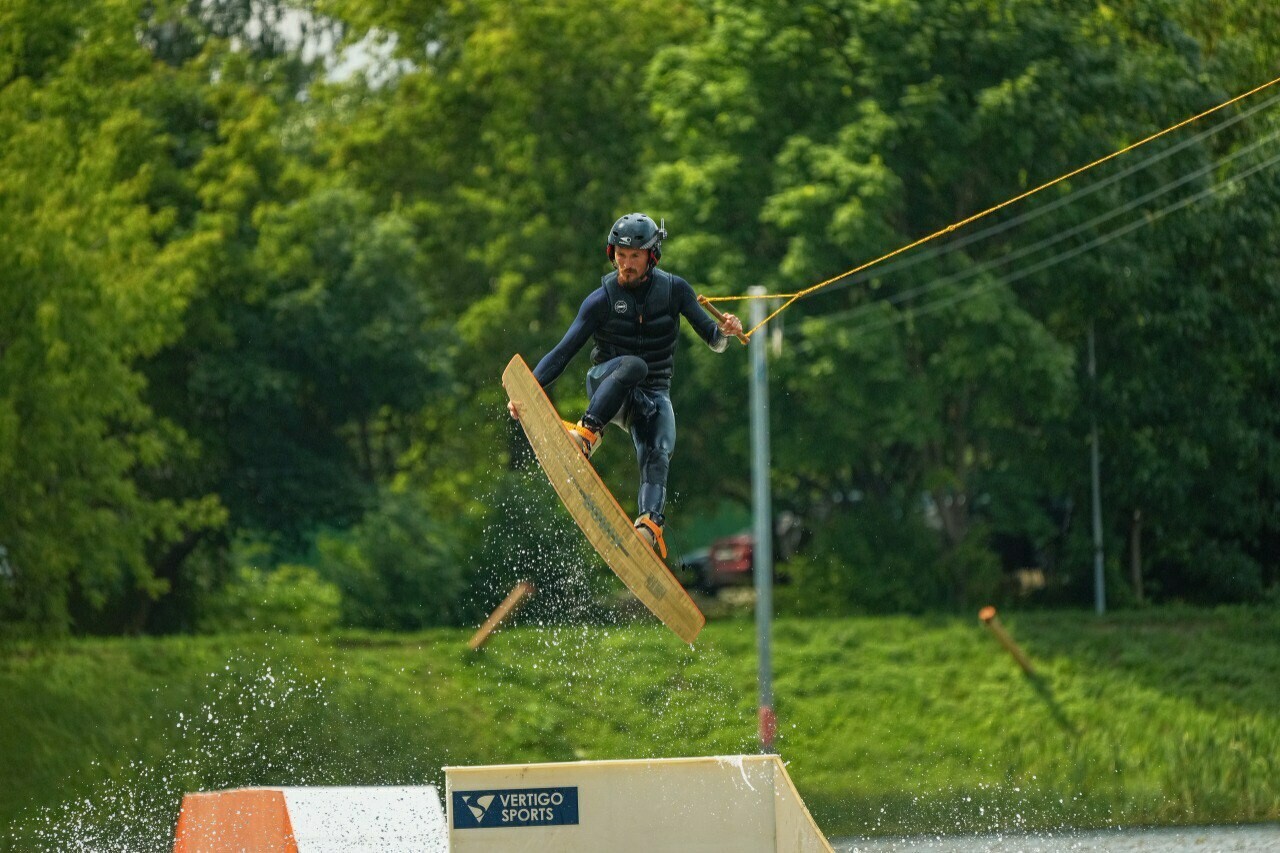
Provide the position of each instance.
(634, 317)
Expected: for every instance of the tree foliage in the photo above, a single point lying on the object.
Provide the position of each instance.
(246, 299)
(855, 128)
(86, 294)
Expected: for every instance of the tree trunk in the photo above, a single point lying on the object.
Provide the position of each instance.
(166, 568)
(1135, 553)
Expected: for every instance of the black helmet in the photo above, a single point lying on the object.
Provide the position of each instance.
(637, 231)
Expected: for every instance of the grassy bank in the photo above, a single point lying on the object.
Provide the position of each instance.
(889, 724)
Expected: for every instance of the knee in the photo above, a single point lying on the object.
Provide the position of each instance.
(632, 370)
(655, 463)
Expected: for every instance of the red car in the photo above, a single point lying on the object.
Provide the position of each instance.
(729, 562)
(726, 562)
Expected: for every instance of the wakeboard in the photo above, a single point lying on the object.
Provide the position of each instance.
(593, 507)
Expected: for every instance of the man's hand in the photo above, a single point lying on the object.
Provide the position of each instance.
(730, 326)
(511, 410)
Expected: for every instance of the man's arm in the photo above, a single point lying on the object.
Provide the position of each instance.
(716, 335)
(590, 316)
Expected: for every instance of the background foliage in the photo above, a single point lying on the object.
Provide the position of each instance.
(251, 294)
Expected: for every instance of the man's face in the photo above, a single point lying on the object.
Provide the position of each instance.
(632, 265)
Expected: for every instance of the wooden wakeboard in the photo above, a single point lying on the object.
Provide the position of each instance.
(594, 508)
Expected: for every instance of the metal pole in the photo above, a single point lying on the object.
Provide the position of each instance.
(1099, 587)
(762, 550)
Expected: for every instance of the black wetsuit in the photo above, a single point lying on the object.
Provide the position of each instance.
(635, 331)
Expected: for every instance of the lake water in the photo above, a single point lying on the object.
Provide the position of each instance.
(1261, 838)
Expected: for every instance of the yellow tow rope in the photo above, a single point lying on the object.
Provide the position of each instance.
(792, 297)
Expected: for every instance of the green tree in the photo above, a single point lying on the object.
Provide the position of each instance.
(511, 141)
(1182, 312)
(84, 294)
(309, 341)
(804, 140)
(400, 568)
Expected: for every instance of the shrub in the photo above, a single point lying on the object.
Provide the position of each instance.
(863, 560)
(397, 569)
(289, 598)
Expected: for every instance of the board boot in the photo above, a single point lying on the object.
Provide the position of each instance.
(586, 440)
(652, 533)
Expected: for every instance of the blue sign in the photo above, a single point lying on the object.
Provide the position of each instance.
(515, 807)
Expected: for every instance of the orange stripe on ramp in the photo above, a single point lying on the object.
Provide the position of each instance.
(254, 819)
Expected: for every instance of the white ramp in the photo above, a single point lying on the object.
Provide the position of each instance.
(736, 804)
(313, 820)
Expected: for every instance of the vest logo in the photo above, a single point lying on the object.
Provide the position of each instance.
(515, 807)
(620, 307)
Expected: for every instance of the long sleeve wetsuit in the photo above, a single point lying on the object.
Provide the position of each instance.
(630, 386)
(595, 311)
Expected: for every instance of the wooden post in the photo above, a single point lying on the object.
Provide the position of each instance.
(989, 618)
(518, 595)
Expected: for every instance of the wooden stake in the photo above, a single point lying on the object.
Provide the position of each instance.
(518, 595)
(989, 618)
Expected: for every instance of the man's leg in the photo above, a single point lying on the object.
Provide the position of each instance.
(609, 384)
(655, 440)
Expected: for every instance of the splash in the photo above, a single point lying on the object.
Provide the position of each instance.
(261, 723)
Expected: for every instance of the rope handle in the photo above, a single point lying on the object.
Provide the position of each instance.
(714, 312)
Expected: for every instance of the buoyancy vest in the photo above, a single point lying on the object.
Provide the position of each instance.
(647, 327)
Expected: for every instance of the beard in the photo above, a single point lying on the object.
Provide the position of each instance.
(636, 279)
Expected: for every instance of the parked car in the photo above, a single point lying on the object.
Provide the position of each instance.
(727, 561)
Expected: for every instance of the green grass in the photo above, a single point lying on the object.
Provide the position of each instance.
(889, 725)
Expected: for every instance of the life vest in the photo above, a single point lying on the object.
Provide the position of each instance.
(647, 328)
